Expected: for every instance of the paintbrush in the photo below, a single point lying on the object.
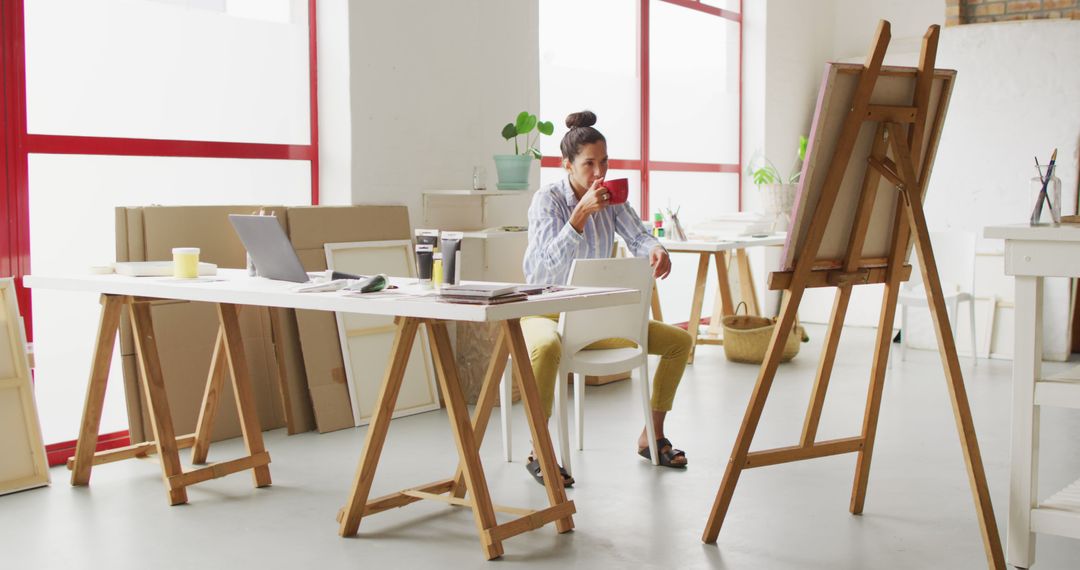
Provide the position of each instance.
(1046, 184)
(1037, 212)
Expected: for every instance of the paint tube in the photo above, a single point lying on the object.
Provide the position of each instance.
(427, 237)
(450, 246)
(436, 270)
(424, 262)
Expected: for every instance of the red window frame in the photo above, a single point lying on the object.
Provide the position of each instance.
(18, 144)
(644, 165)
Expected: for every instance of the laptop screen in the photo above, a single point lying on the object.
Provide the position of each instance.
(269, 247)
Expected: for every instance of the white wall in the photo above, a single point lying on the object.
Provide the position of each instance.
(428, 99)
(856, 21)
(335, 113)
(1005, 110)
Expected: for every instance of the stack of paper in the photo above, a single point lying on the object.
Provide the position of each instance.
(481, 293)
(733, 224)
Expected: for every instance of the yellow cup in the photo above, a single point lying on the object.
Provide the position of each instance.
(185, 262)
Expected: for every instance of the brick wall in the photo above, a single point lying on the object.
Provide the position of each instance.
(982, 11)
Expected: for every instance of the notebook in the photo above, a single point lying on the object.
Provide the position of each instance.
(467, 300)
(481, 290)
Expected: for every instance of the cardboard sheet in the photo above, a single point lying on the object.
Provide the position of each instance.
(309, 229)
(186, 331)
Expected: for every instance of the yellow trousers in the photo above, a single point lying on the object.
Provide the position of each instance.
(669, 342)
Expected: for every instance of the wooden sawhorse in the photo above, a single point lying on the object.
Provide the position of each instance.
(467, 434)
(229, 349)
(722, 252)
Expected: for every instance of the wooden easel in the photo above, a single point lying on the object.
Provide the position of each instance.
(901, 130)
(228, 350)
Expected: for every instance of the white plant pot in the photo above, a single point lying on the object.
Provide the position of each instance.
(777, 200)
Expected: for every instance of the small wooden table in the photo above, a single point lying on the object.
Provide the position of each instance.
(235, 288)
(1031, 254)
(721, 250)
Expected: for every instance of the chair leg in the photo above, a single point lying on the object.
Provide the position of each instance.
(646, 407)
(506, 403)
(892, 355)
(903, 332)
(579, 410)
(954, 315)
(561, 414)
(971, 316)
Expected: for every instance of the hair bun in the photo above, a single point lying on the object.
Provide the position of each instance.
(581, 119)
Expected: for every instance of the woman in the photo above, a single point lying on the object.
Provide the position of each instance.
(573, 219)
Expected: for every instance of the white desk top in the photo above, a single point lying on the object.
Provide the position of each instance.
(1063, 232)
(725, 244)
(237, 288)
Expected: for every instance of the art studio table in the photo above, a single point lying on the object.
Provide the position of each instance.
(1032, 254)
(233, 288)
(720, 249)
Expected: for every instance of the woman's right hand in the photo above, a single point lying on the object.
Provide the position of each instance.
(596, 198)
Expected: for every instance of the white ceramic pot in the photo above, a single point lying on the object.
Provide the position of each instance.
(777, 200)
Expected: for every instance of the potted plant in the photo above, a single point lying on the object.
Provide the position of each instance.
(777, 191)
(513, 169)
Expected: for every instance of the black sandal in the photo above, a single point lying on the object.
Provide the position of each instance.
(665, 457)
(533, 467)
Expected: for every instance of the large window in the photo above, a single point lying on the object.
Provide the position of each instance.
(135, 102)
(663, 77)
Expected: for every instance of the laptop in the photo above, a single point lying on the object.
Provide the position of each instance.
(269, 247)
(271, 250)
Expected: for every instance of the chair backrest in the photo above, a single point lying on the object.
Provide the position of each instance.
(955, 254)
(579, 329)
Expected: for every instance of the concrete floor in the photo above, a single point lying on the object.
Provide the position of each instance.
(918, 514)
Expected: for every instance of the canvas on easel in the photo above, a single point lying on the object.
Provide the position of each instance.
(858, 213)
(22, 453)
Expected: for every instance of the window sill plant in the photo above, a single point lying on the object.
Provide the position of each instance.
(513, 169)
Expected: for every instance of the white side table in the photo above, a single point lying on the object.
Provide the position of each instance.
(1032, 253)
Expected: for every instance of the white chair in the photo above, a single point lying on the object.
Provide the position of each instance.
(955, 255)
(579, 329)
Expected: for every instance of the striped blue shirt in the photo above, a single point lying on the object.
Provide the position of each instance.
(554, 244)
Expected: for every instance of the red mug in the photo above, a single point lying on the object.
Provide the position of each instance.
(618, 190)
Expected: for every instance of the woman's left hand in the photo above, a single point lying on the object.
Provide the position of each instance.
(660, 262)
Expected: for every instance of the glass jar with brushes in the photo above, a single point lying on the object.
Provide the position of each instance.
(1053, 195)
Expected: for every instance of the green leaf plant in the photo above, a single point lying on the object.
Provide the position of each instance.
(762, 171)
(523, 125)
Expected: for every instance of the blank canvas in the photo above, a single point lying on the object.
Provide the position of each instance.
(22, 453)
(367, 340)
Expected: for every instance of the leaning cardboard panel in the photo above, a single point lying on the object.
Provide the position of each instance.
(187, 330)
(310, 228)
(22, 454)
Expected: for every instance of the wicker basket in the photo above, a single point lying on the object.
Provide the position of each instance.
(746, 338)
